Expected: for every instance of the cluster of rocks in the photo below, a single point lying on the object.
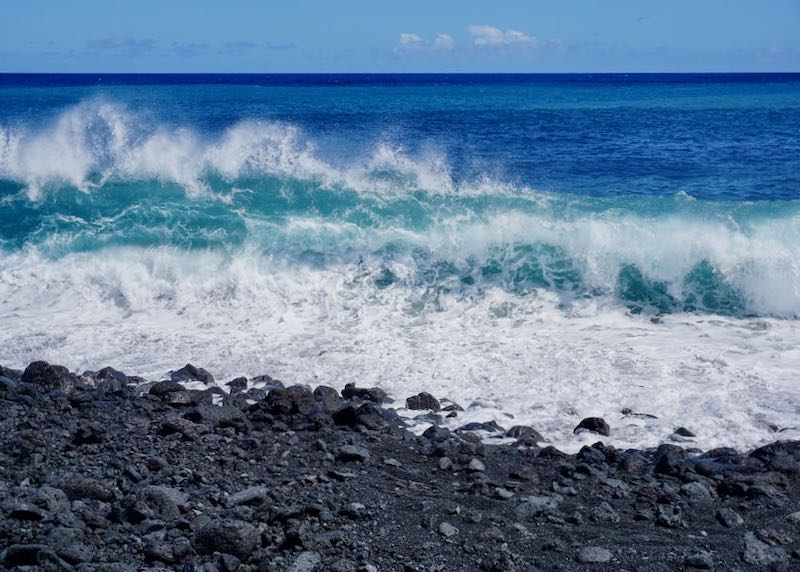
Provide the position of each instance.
(105, 472)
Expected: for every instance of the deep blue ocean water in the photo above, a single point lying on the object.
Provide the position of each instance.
(92, 161)
(563, 237)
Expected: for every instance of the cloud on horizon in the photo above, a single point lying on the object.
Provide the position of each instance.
(410, 42)
(489, 36)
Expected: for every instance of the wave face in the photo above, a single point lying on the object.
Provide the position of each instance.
(270, 244)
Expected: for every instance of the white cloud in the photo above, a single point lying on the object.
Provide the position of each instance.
(443, 42)
(408, 42)
(495, 37)
(412, 42)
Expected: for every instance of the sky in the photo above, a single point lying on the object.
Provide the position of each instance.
(399, 36)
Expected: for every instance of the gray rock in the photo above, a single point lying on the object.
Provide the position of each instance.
(476, 466)
(227, 536)
(604, 513)
(353, 453)
(249, 496)
(306, 562)
(760, 553)
(729, 518)
(445, 464)
(163, 503)
(701, 559)
(696, 492)
(447, 530)
(503, 494)
(670, 517)
(594, 555)
(794, 518)
(354, 510)
(536, 505)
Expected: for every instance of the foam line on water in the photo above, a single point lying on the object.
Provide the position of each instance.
(731, 380)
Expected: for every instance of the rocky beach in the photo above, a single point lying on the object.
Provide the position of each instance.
(109, 472)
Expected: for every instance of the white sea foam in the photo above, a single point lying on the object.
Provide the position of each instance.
(731, 380)
(98, 141)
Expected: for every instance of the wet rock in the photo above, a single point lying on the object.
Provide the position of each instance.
(374, 394)
(423, 401)
(524, 432)
(436, 434)
(329, 400)
(108, 379)
(489, 427)
(237, 385)
(684, 432)
(228, 537)
(594, 425)
(162, 388)
(190, 373)
(594, 555)
(49, 377)
(669, 460)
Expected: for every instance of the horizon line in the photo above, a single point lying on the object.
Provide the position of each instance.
(750, 72)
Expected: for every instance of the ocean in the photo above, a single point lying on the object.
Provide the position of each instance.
(541, 248)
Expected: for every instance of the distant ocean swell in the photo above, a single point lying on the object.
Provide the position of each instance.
(98, 178)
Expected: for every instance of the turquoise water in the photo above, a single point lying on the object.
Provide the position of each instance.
(389, 167)
(554, 247)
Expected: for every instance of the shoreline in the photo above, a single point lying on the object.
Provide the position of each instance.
(109, 472)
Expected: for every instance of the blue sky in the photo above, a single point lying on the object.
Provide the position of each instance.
(400, 36)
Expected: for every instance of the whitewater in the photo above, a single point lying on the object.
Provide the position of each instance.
(253, 248)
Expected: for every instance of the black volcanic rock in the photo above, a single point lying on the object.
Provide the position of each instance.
(423, 401)
(191, 373)
(594, 425)
(312, 480)
(49, 377)
(374, 394)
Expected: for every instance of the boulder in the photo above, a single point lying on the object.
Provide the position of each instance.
(192, 373)
(374, 394)
(593, 425)
(423, 401)
(50, 377)
(227, 536)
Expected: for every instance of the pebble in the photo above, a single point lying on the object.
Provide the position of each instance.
(594, 555)
(447, 530)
